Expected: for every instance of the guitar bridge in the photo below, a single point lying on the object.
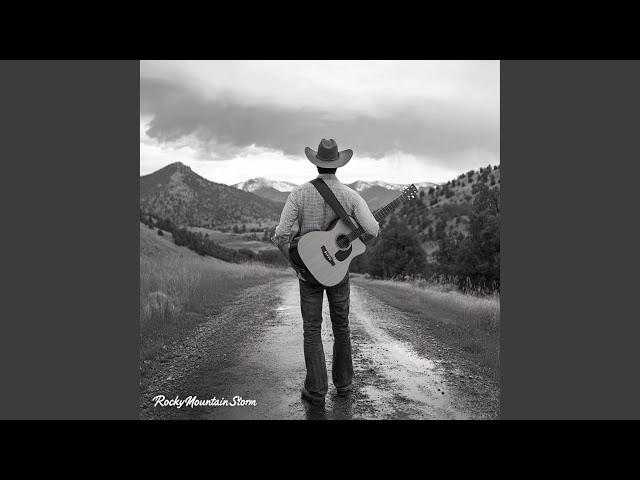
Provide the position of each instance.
(327, 255)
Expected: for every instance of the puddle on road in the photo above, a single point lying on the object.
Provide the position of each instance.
(414, 380)
(392, 381)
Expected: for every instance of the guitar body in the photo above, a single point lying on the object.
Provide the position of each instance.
(323, 258)
(319, 254)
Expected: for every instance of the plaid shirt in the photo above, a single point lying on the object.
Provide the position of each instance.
(306, 206)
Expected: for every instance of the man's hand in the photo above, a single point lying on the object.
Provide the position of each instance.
(299, 271)
(283, 246)
(365, 237)
(284, 249)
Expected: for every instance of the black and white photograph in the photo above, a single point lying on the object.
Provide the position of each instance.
(313, 239)
(319, 240)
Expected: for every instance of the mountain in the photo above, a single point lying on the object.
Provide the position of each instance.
(177, 193)
(254, 184)
(275, 190)
(375, 192)
(361, 185)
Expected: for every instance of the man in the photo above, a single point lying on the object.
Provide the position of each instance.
(306, 206)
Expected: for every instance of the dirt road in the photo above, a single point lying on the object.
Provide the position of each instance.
(254, 350)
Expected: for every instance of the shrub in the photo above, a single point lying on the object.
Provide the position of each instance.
(248, 253)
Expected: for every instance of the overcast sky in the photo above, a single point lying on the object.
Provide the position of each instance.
(406, 121)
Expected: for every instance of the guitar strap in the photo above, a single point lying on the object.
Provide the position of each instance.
(333, 202)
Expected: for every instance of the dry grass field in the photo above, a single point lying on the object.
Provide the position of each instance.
(179, 289)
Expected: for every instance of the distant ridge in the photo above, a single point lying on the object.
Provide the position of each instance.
(375, 192)
(177, 193)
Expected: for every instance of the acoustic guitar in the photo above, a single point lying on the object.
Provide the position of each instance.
(326, 255)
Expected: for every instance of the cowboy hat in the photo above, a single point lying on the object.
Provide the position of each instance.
(327, 155)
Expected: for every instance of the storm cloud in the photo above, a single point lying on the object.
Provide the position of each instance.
(220, 121)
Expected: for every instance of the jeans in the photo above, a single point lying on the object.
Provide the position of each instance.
(311, 306)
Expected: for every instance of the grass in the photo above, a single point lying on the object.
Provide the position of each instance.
(177, 293)
(471, 323)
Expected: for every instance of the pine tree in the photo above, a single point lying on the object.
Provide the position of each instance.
(397, 250)
(475, 258)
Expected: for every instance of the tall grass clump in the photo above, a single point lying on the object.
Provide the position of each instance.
(178, 293)
(449, 304)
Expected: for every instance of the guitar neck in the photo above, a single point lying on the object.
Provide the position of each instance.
(378, 215)
(387, 209)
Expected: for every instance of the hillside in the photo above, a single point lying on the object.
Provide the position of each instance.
(450, 202)
(159, 247)
(177, 193)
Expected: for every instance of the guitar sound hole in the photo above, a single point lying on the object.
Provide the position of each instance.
(342, 241)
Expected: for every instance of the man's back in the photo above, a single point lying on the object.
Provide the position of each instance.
(306, 206)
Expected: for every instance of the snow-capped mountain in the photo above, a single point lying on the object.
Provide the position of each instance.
(361, 185)
(375, 192)
(254, 184)
(265, 188)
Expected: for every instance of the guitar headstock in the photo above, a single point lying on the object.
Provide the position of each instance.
(410, 192)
